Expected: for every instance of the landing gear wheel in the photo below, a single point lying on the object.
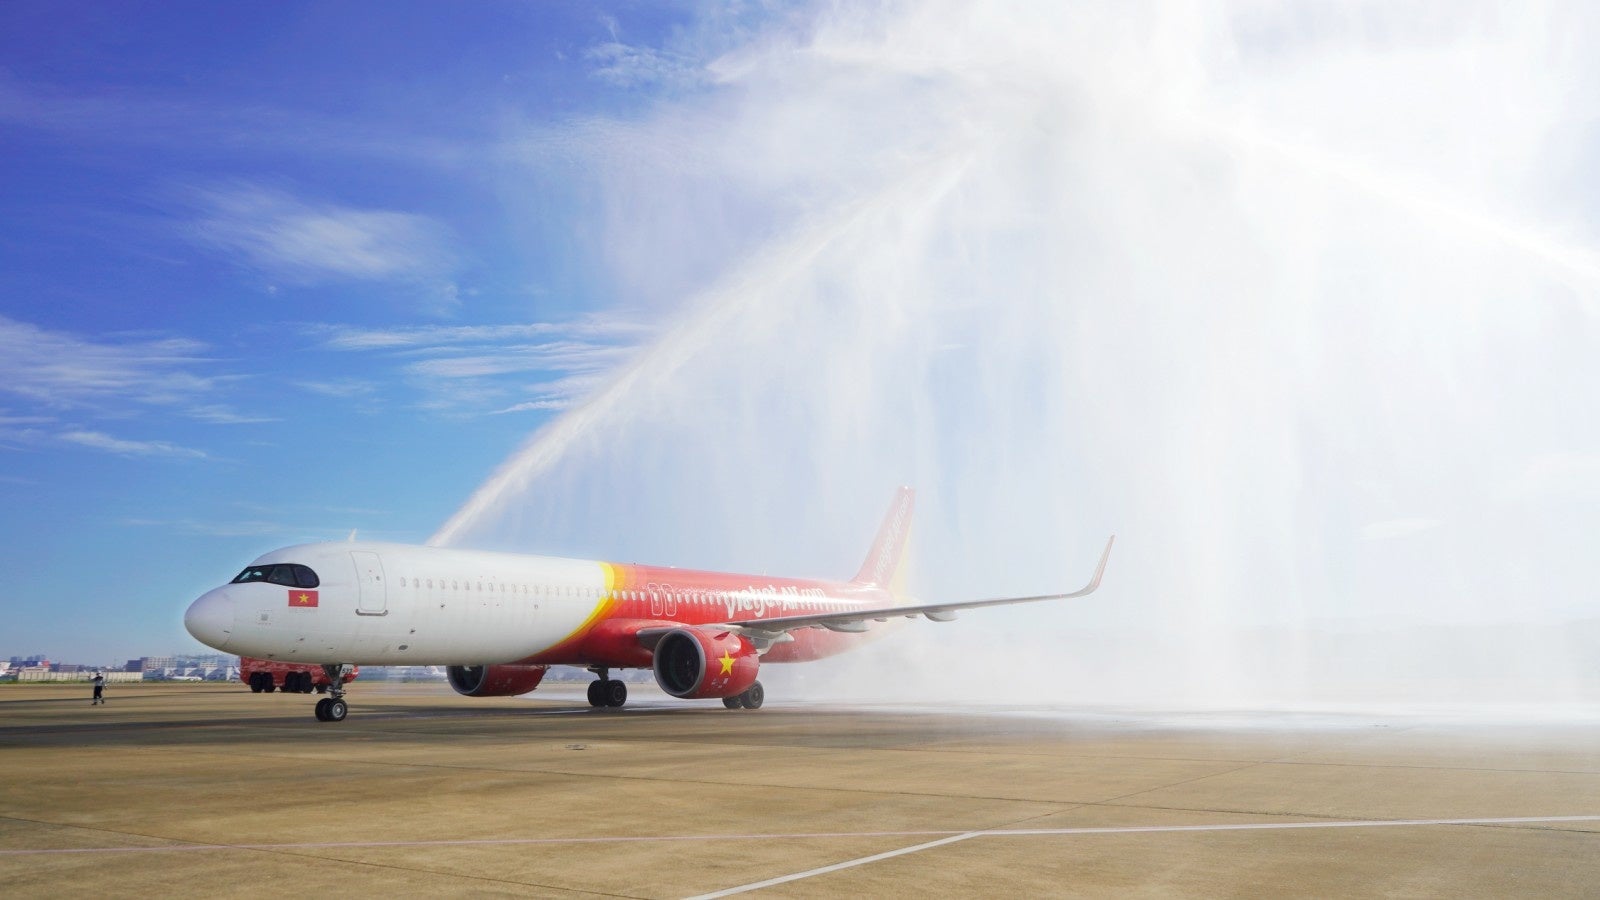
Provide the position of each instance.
(595, 697)
(615, 693)
(752, 698)
(732, 702)
(333, 708)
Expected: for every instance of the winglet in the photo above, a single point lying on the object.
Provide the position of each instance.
(1098, 571)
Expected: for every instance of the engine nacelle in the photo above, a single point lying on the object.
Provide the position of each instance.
(494, 681)
(695, 664)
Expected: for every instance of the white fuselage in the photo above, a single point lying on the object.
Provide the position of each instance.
(393, 604)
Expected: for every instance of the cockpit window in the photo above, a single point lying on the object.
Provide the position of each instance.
(289, 574)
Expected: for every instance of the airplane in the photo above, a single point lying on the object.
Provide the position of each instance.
(497, 621)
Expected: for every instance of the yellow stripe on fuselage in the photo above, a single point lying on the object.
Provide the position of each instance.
(602, 608)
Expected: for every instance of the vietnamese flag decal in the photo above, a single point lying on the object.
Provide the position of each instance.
(302, 598)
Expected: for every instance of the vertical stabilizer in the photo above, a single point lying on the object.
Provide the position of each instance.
(883, 561)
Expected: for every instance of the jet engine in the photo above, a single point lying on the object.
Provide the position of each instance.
(494, 681)
(695, 664)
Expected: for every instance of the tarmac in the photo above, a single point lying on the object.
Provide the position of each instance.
(209, 790)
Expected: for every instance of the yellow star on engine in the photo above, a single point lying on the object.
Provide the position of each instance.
(727, 663)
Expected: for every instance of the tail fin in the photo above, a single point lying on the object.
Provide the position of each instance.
(889, 546)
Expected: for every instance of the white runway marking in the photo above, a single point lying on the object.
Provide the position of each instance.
(1134, 829)
(758, 885)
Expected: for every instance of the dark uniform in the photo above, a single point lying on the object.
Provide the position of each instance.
(99, 688)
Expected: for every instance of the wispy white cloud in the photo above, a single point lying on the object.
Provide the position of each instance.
(535, 405)
(567, 356)
(310, 242)
(627, 66)
(151, 118)
(560, 393)
(96, 440)
(57, 369)
(217, 414)
(594, 325)
(476, 367)
(348, 389)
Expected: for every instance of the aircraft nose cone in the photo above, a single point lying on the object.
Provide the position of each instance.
(210, 618)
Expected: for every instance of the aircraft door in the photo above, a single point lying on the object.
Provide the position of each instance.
(374, 594)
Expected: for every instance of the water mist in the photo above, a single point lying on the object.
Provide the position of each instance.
(1296, 300)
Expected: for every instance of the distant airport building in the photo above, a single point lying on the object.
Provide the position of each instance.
(87, 674)
(197, 667)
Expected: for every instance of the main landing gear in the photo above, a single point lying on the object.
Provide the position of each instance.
(607, 691)
(750, 699)
(332, 708)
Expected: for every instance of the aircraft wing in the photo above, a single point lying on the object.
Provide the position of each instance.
(776, 629)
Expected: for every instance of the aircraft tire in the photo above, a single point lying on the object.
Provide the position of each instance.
(595, 697)
(322, 710)
(615, 693)
(753, 697)
(733, 702)
(337, 710)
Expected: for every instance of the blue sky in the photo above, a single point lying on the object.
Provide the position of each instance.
(272, 272)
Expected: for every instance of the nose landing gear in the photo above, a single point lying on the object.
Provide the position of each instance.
(332, 708)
